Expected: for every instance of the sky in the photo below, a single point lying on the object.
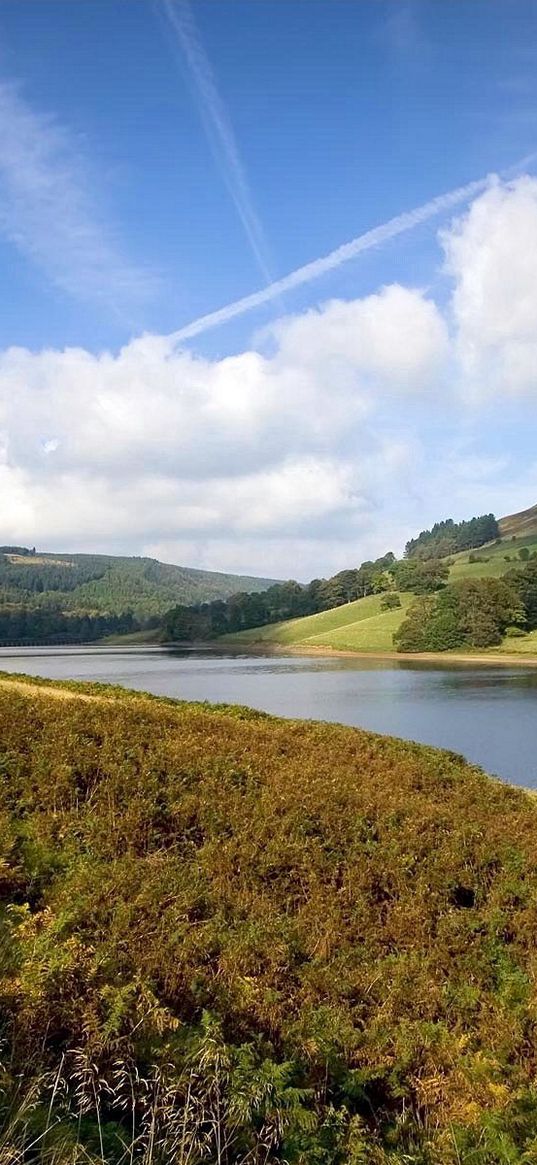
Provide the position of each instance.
(268, 275)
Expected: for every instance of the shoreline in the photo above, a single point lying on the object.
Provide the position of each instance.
(346, 653)
(418, 656)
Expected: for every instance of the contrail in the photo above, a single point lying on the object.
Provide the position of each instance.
(217, 126)
(373, 238)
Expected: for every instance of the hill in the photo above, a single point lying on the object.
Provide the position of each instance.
(79, 585)
(232, 938)
(519, 525)
(357, 626)
(363, 627)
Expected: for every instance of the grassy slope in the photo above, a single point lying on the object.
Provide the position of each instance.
(358, 907)
(521, 525)
(361, 626)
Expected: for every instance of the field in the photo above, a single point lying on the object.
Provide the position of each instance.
(229, 939)
(362, 627)
(358, 626)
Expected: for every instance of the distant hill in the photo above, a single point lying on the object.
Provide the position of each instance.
(519, 525)
(98, 584)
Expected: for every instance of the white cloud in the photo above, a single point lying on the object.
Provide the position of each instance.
(47, 212)
(492, 254)
(187, 417)
(335, 438)
(166, 445)
(396, 338)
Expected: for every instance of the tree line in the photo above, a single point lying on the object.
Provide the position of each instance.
(449, 537)
(52, 625)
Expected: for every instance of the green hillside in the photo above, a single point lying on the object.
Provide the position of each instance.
(358, 626)
(99, 584)
(310, 944)
(361, 625)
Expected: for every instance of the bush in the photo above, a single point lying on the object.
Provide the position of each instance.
(515, 632)
(390, 601)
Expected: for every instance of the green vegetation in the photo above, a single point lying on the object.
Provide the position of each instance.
(449, 537)
(472, 613)
(369, 626)
(230, 939)
(70, 597)
(421, 572)
(280, 602)
(361, 620)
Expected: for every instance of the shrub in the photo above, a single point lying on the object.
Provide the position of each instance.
(390, 601)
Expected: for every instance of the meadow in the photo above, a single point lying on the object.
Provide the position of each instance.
(232, 939)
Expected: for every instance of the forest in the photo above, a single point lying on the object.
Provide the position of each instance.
(71, 598)
(229, 939)
(449, 537)
(87, 597)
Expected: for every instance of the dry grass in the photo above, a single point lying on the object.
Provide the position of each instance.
(298, 926)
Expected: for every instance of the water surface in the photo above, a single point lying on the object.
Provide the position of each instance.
(489, 714)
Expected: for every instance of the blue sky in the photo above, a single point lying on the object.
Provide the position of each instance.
(159, 161)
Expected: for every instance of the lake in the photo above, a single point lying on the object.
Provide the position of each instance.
(489, 714)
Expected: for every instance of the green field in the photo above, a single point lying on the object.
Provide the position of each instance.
(358, 626)
(362, 626)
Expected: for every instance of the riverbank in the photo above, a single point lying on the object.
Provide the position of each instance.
(263, 647)
(439, 657)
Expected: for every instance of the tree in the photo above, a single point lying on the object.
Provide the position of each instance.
(411, 636)
(420, 577)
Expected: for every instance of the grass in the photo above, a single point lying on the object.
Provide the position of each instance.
(358, 626)
(527, 645)
(218, 927)
(521, 525)
(362, 626)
